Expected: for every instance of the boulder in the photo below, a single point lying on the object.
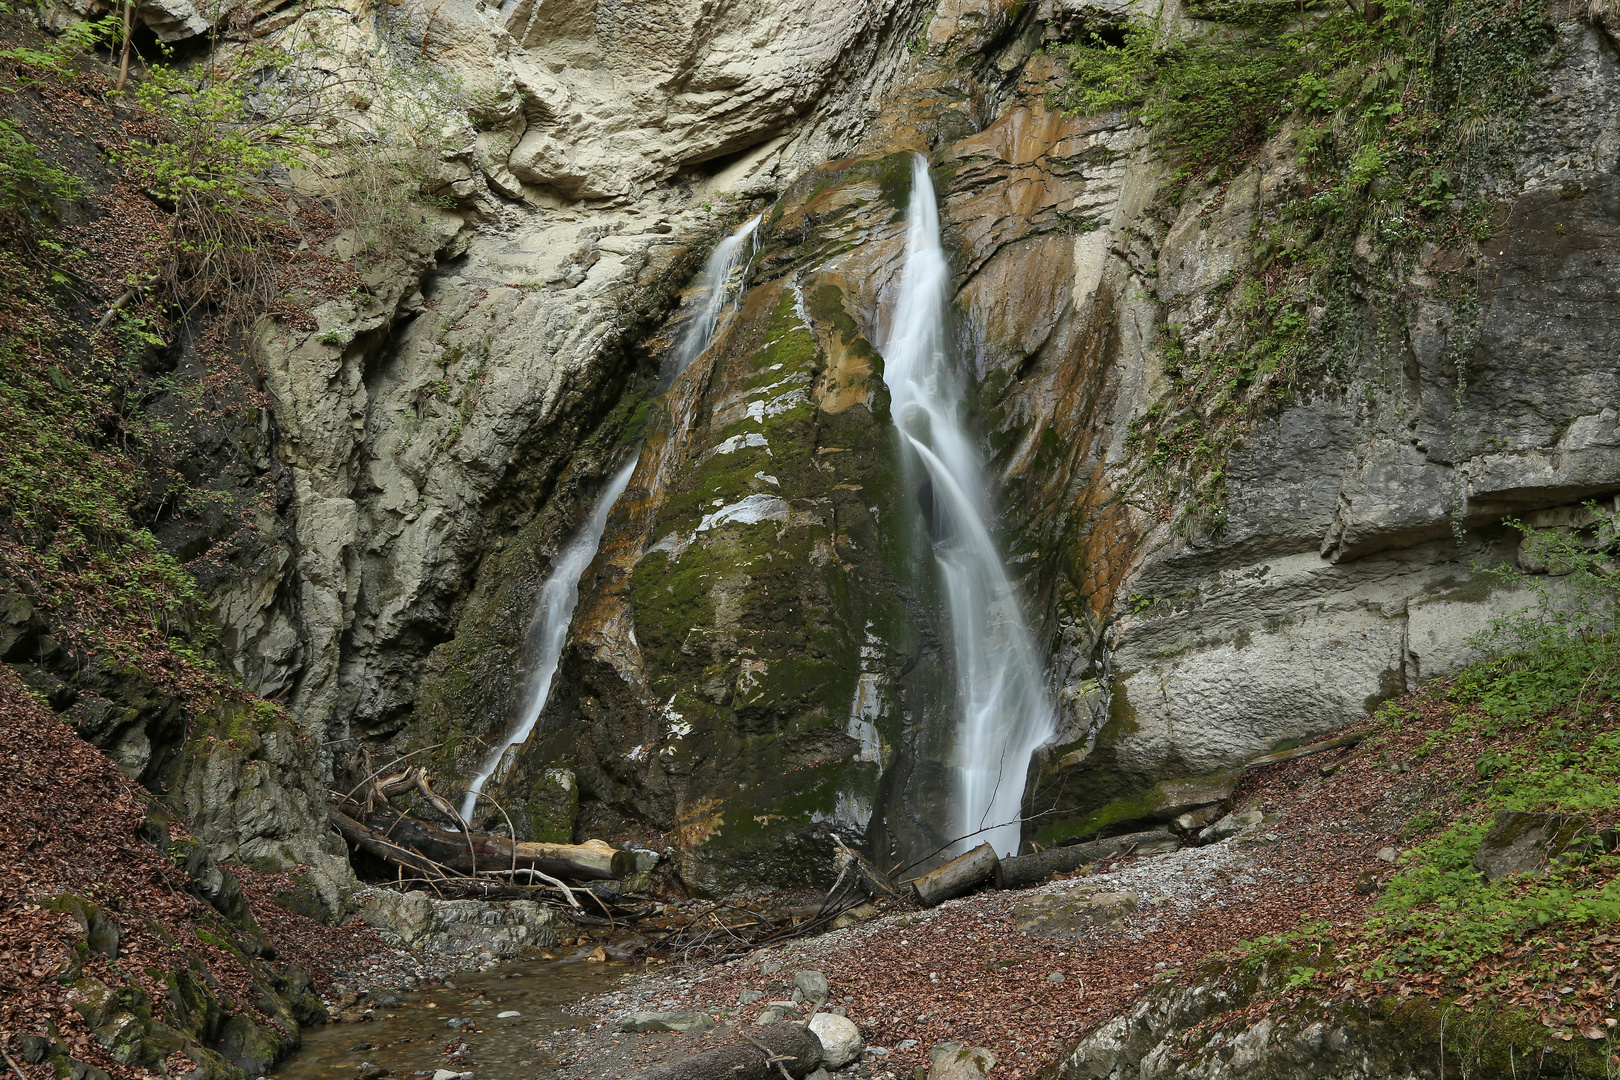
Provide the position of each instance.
(813, 985)
(841, 1041)
(1072, 914)
(405, 919)
(666, 1021)
(1165, 802)
(954, 1061)
(1230, 825)
(1523, 843)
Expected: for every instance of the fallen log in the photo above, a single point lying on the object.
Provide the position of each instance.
(1028, 871)
(958, 877)
(405, 841)
(380, 846)
(793, 1046)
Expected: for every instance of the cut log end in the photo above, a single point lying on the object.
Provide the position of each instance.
(958, 877)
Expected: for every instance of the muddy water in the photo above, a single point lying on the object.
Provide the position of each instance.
(411, 1034)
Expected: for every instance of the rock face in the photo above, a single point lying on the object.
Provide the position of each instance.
(1335, 582)
(1200, 1030)
(756, 662)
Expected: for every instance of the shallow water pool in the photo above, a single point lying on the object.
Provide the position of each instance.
(412, 1035)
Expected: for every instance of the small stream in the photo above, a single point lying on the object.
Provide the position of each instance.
(410, 1034)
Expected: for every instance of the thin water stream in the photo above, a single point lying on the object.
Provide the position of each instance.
(559, 596)
(410, 1035)
(1005, 714)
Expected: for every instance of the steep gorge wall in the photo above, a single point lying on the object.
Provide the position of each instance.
(1345, 569)
(756, 662)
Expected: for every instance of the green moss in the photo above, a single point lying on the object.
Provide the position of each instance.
(548, 801)
(893, 176)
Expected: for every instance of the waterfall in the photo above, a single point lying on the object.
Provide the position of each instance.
(715, 287)
(1004, 711)
(554, 609)
(548, 629)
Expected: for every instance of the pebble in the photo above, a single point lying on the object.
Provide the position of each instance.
(507, 1013)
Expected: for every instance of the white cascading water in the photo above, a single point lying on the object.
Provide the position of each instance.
(559, 596)
(548, 629)
(1005, 713)
(715, 283)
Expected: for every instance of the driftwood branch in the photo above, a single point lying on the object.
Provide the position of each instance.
(1306, 751)
(872, 881)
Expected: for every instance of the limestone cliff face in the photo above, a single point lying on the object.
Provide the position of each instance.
(425, 419)
(1345, 570)
(756, 661)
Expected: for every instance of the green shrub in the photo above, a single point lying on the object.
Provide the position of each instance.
(27, 182)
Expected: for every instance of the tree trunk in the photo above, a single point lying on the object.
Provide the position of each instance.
(958, 877)
(1027, 871)
(396, 838)
(745, 1061)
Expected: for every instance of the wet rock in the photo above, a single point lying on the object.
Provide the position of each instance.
(841, 1041)
(813, 985)
(666, 1021)
(954, 1061)
(1072, 914)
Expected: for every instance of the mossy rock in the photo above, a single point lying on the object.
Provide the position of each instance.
(101, 934)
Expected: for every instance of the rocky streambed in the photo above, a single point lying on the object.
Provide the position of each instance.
(1202, 960)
